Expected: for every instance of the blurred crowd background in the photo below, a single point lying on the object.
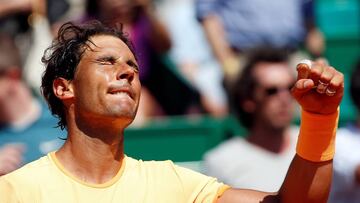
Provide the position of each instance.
(201, 66)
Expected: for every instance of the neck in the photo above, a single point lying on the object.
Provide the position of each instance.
(92, 153)
(274, 140)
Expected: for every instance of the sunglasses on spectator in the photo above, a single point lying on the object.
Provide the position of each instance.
(270, 91)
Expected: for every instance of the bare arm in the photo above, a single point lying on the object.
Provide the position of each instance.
(306, 181)
(216, 36)
(8, 7)
(215, 33)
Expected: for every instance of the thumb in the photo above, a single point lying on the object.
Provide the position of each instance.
(301, 86)
(303, 69)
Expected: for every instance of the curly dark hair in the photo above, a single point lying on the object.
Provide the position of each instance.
(355, 85)
(246, 82)
(63, 56)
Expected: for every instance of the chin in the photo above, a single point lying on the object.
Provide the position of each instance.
(123, 121)
(282, 124)
(125, 115)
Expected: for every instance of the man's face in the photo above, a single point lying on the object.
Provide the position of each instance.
(106, 83)
(274, 104)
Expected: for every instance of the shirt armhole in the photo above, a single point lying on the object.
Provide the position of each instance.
(220, 192)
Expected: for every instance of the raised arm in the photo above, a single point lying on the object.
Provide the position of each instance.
(310, 173)
(222, 50)
(15, 6)
(216, 36)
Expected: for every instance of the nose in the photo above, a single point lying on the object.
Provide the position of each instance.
(126, 72)
(285, 95)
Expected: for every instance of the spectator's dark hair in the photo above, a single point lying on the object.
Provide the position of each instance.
(355, 85)
(63, 56)
(246, 82)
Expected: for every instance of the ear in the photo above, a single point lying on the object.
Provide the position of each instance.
(63, 89)
(249, 106)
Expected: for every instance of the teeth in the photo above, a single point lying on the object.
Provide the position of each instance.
(120, 93)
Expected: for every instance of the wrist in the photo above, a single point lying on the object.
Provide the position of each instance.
(316, 140)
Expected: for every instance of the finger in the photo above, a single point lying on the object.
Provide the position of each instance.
(303, 69)
(315, 73)
(324, 79)
(336, 85)
(322, 61)
(301, 86)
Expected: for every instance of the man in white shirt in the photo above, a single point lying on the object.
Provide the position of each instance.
(346, 179)
(263, 103)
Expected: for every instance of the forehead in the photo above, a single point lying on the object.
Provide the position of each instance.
(268, 73)
(107, 44)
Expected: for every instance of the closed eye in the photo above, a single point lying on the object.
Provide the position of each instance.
(133, 64)
(108, 60)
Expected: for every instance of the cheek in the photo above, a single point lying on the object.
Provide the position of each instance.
(104, 76)
(269, 106)
(89, 87)
(136, 85)
(95, 79)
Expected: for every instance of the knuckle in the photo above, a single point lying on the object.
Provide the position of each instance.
(327, 76)
(316, 71)
(331, 68)
(340, 76)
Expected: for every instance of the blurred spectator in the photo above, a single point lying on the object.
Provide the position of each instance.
(193, 55)
(235, 26)
(26, 126)
(13, 16)
(150, 38)
(16, 15)
(30, 23)
(346, 179)
(263, 103)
